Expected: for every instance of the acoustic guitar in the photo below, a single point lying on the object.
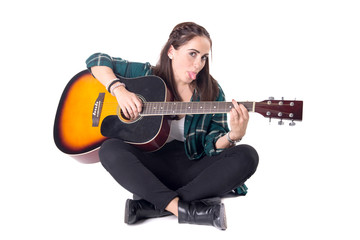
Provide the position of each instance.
(87, 115)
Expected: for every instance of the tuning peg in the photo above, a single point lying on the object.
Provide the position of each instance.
(292, 123)
(281, 122)
(271, 98)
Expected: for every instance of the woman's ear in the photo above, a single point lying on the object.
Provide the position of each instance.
(171, 52)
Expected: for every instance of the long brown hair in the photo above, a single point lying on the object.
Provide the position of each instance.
(206, 87)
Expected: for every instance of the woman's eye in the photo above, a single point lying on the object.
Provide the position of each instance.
(193, 54)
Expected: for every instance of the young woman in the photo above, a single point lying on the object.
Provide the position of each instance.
(200, 161)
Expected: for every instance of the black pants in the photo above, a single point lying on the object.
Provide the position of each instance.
(161, 176)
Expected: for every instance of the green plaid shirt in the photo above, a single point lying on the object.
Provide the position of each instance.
(201, 131)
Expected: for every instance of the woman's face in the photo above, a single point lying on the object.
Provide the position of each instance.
(189, 59)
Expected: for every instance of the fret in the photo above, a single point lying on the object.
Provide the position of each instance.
(153, 108)
(174, 107)
(187, 107)
(207, 107)
(229, 106)
(145, 109)
(220, 107)
(250, 106)
(201, 107)
(161, 107)
(193, 110)
(216, 107)
(167, 108)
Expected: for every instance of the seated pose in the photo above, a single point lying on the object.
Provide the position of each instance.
(200, 161)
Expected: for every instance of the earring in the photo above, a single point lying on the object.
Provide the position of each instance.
(170, 56)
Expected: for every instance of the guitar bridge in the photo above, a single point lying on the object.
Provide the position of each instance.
(96, 113)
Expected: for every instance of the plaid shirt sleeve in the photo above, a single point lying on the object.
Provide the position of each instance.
(203, 130)
(120, 66)
(218, 127)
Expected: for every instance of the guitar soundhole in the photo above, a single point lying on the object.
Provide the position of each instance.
(124, 119)
(122, 116)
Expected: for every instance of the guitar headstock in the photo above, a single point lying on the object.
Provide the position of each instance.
(281, 109)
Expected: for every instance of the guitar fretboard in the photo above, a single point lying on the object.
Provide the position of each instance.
(178, 108)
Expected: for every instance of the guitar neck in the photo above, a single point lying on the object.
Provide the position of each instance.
(180, 108)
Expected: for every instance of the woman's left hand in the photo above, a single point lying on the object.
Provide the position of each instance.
(239, 118)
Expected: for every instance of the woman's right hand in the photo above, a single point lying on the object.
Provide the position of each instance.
(130, 104)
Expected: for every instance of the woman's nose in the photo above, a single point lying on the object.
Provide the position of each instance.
(197, 63)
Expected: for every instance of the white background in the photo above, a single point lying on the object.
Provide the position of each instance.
(307, 183)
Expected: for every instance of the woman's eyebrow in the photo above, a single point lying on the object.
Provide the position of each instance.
(192, 49)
